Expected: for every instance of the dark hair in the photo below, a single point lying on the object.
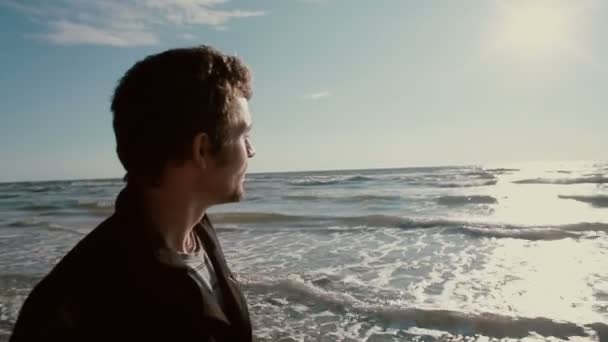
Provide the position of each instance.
(164, 100)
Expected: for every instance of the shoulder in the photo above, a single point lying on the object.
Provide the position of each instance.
(88, 261)
(54, 302)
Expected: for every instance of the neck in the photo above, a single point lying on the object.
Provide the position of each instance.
(175, 212)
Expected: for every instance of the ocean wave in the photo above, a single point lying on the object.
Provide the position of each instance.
(61, 208)
(532, 234)
(61, 228)
(575, 230)
(367, 197)
(9, 195)
(447, 183)
(465, 200)
(366, 221)
(598, 179)
(294, 289)
(387, 221)
(331, 180)
(40, 188)
(27, 222)
(463, 180)
(502, 169)
(599, 201)
(89, 204)
(480, 174)
(40, 207)
(303, 197)
(96, 183)
(345, 199)
(462, 185)
(586, 227)
(272, 221)
(257, 217)
(44, 224)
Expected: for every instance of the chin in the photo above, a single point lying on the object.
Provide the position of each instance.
(237, 195)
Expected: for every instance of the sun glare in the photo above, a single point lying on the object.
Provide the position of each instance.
(535, 29)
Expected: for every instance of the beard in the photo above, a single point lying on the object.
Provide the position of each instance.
(237, 192)
(236, 195)
(233, 190)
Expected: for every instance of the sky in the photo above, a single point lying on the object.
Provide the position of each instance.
(348, 84)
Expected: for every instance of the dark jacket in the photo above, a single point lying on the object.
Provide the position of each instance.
(113, 287)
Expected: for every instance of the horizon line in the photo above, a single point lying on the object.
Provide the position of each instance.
(248, 173)
(478, 164)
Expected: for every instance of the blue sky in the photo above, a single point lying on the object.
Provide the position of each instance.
(338, 84)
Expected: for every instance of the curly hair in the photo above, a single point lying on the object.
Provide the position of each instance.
(164, 100)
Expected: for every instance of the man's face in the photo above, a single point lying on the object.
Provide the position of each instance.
(227, 169)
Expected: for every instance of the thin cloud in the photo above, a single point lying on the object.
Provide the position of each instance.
(187, 36)
(318, 96)
(123, 22)
(69, 33)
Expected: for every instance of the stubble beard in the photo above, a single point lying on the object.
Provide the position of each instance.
(235, 196)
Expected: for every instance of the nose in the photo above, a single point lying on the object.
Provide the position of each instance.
(250, 149)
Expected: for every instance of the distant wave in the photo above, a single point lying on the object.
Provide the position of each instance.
(96, 183)
(480, 174)
(257, 217)
(462, 185)
(469, 179)
(367, 197)
(39, 207)
(63, 208)
(367, 221)
(97, 208)
(345, 199)
(477, 229)
(40, 188)
(295, 289)
(316, 180)
(598, 201)
(87, 204)
(449, 181)
(57, 227)
(502, 170)
(27, 222)
(303, 197)
(44, 224)
(565, 181)
(532, 234)
(464, 200)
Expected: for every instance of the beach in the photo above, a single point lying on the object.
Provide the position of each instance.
(486, 252)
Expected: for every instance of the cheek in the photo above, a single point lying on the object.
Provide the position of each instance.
(234, 160)
(243, 155)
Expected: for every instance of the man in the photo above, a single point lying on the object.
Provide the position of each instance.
(154, 270)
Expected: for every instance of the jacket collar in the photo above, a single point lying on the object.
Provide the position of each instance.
(130, 207)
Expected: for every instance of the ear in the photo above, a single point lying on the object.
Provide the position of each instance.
(201, 150)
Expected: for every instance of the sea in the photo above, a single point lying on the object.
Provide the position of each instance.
(515, 252)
